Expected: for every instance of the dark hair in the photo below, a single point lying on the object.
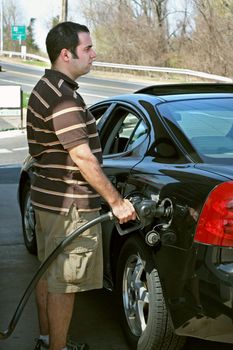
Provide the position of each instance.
(63, 35)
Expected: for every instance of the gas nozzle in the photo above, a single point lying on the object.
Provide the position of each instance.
(147, 210)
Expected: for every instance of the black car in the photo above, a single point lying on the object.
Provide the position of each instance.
(173, 277)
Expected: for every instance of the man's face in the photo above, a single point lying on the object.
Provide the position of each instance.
(85, 55)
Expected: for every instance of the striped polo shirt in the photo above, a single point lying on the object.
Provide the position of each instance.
(58, 119)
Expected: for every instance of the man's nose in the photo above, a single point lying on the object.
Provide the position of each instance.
(93, 54)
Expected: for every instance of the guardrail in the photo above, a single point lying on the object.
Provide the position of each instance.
(125, 67)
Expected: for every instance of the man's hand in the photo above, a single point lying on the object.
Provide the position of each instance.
(124, 211)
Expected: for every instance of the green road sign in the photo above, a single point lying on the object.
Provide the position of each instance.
(18, 33)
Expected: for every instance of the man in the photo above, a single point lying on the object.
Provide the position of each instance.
(67, 183)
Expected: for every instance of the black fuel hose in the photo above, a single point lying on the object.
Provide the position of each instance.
(43, 267)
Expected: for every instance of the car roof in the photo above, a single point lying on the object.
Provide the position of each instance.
(187, 88)
(175, 92)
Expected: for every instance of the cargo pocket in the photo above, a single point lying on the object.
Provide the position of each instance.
(73, 263)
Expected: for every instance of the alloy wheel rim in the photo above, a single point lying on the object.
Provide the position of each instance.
(29, 220)
(135, 294)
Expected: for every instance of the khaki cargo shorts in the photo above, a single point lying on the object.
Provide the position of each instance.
(80, 266)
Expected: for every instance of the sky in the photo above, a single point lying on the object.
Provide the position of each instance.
(43, 11)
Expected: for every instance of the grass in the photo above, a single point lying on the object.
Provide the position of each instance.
(36, 63)
(25, 99)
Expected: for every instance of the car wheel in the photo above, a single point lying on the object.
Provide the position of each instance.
(28, 220)
(144, 315)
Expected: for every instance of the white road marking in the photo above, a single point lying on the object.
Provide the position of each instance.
(4, 151)
(19, 149)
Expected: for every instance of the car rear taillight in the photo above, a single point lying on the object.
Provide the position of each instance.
(215, 225)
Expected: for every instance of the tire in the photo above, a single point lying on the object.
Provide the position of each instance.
(28, 220)
(144, 316)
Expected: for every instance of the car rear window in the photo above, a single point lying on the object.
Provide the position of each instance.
(206, 123)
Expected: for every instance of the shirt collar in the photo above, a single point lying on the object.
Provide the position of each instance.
(60, 75)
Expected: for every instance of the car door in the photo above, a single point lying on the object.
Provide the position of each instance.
(124, 136)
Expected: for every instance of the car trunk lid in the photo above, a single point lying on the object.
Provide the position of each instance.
(223, 170)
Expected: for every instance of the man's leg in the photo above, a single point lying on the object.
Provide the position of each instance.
(60, 309)
(41, 300)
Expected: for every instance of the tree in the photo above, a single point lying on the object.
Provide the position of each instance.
(212, 38)
(129, 31)
(11, 16)
(52, 22)
(30, 41)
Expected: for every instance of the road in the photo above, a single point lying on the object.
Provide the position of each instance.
(92, 88)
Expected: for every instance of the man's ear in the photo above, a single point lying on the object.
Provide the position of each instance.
(65, 55)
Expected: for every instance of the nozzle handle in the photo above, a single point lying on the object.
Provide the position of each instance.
(136, 225)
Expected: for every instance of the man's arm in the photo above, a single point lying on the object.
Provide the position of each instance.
(94, 175)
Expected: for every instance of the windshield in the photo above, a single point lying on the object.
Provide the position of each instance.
(206, 123)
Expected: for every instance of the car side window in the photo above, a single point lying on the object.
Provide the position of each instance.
(125, 131)
(101, 113)
(138, 135)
